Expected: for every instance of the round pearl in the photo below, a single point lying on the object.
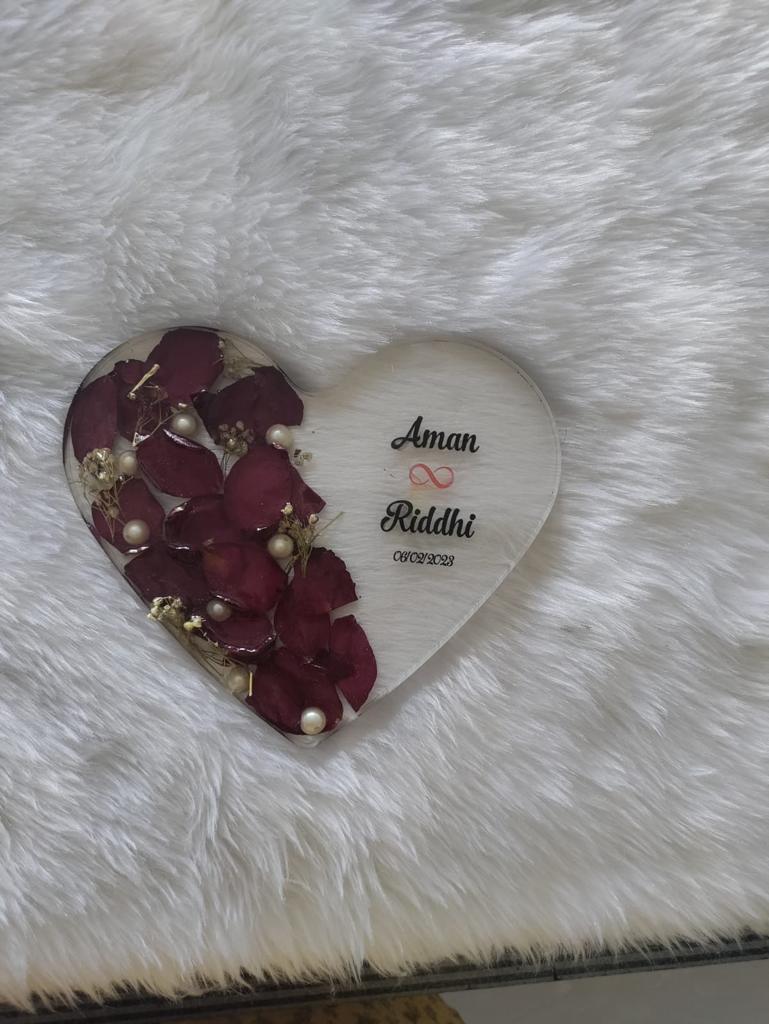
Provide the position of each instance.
(280, 546)
(136, 532)
(184, 423)
(280, 436)
(128, 463)
(237, 680)
(218, 610)
(312, 722)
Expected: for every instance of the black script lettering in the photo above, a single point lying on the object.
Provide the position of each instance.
(447, 522)
(467, 530)
(412, 435)
(424, 438)
(397, 513)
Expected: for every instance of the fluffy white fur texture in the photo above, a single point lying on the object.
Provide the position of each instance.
(582, 183)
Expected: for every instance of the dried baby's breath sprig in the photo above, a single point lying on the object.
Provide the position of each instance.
(98, 470)
(108, 503)
(102, 483)
(152, 408)
(299, 457)
(234, 363)
(142, 381)
(153, 413)
(303, 534)
(168, 610)
(235, 440)
(172, 613)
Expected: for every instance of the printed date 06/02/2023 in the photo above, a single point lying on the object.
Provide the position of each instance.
(423, 558)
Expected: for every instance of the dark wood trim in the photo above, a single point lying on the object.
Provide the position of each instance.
(441, 978)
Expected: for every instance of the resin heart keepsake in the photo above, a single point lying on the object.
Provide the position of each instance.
(311, 550)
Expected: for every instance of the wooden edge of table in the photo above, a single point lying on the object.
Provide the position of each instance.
(445, 977)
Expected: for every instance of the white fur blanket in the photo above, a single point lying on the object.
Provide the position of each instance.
(585, 185)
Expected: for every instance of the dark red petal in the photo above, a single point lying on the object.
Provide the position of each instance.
(259, 401)
(226, 407)
(136, 501)
(302, 632)
(336, 667)
(325, 585)
(179, 466)
(284, 686)
(303, 498)
(148, 405)
(244, 574)
(189, 526)
(126, 375)
(245, 637)
(93, 417)
(190, 360)
(276, 401)
(349, 644)
(156, 573)
(258, 487)
(128, 372)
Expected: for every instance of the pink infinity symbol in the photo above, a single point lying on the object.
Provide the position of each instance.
(420, 474)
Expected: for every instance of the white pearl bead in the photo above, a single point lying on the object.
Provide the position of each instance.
(136, 532)
(280, 546)
(185, 423)
(237, 680)
(128, 463)
(312, 722)
(218, 610)
(280, 436)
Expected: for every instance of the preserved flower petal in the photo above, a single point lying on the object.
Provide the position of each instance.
(258, 401)
(134, 501)
(244, 574)
(190, 360)
(303, 498)
(93, 417)
(139, 416)
(285, 685)
(156, 573)
(354, 666)
(304, 633)
(258, 487)
(244, 637)
(325, 585)
(199, 521)
(179, 466)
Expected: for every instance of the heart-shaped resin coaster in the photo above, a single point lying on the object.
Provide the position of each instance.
(312, 552)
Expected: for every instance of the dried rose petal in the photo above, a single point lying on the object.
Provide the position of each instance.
(136, 501)
(304, 633)
(146, 409)
(189, 526)
(244, 637)
(244, 574)
(325, 585)
(336, 667)
(258, 401)
(93, 417)
(349, 646)
(303, 498)
(179, 466)
(284, 686)
(156, 573)
(258, 487)
(190, 360)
